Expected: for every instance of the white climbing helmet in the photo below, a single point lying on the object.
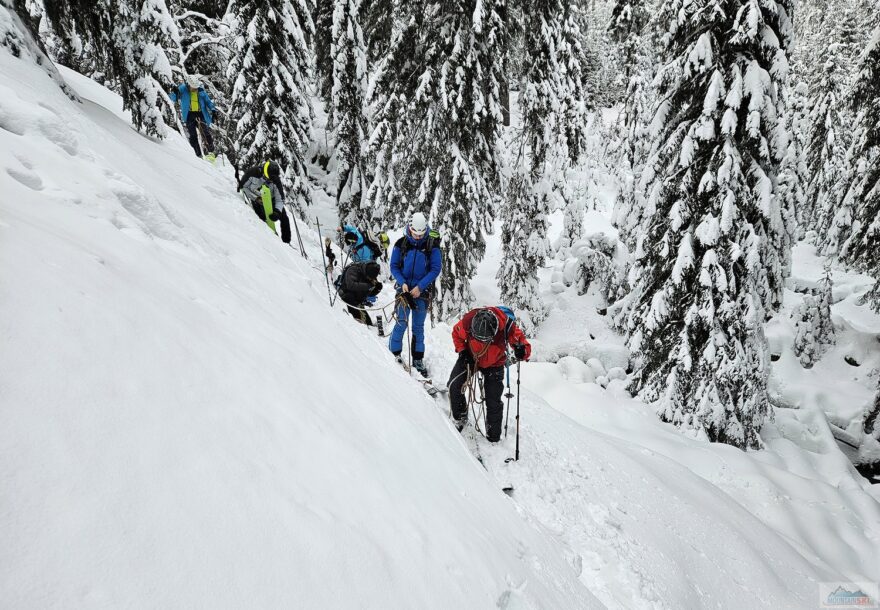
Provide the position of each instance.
(193, 81)
(418, 224)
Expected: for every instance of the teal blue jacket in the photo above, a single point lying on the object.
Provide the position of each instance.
(181, 96)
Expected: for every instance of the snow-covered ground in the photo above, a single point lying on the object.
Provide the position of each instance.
(184, 422)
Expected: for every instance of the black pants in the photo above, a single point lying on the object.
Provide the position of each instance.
(493, 385)
(193, 122)
(284, 220)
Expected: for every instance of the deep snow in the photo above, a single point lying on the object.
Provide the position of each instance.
(185, 423)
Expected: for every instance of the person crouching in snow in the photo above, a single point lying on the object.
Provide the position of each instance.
(359, 282)
(258, 180)
(195, 110)
(481, 338)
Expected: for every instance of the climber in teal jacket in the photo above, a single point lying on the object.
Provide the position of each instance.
(195, 108)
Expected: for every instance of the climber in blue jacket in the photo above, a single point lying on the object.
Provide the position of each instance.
(195, 109)
(360, 250)
(416, 261)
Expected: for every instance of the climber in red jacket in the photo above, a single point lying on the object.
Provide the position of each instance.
(481, 339)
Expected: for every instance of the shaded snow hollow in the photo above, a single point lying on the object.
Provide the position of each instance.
(185, 423)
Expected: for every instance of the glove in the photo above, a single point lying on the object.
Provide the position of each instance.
(519, 350)
(376, 289)
(408, 299)
(276, 215)
(466, 356)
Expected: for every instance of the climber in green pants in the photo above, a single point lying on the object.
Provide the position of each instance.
(262, 188)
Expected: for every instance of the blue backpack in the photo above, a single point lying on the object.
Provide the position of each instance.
(511, 319)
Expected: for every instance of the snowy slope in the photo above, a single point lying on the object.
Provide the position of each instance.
(183, 420)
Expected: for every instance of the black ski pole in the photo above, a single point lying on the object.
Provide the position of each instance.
(409, 337)
(517, 411)
(302, 246)
(302, 249)
(324, 260)
(508, 396)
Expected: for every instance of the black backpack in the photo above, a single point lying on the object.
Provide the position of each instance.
(337, 282)
(372, 242)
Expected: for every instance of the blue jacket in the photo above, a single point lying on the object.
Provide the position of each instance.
(181, 96)
(360, 252)
(416, 267)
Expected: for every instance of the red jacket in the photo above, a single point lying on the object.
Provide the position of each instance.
(488, 355)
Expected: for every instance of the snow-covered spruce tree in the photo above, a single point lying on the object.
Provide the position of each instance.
(862, 247)
(793, 174)
(549, 141)
(525, 248)
(129, 38)
(269, 105)
(849, 32)
(599, 67)
(347, 112)
(827, 145)
(396, 174)
(322, 17)
(813, 325)
(572, 218)
(807, 346)
(628, 19)
(143, 29)
(628, 145)
(708, 270)
(598, 264)
(788, 187)
(386, 195)
(438, 119)
(377, 20)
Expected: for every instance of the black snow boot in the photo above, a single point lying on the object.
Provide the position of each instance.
(419, 365)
